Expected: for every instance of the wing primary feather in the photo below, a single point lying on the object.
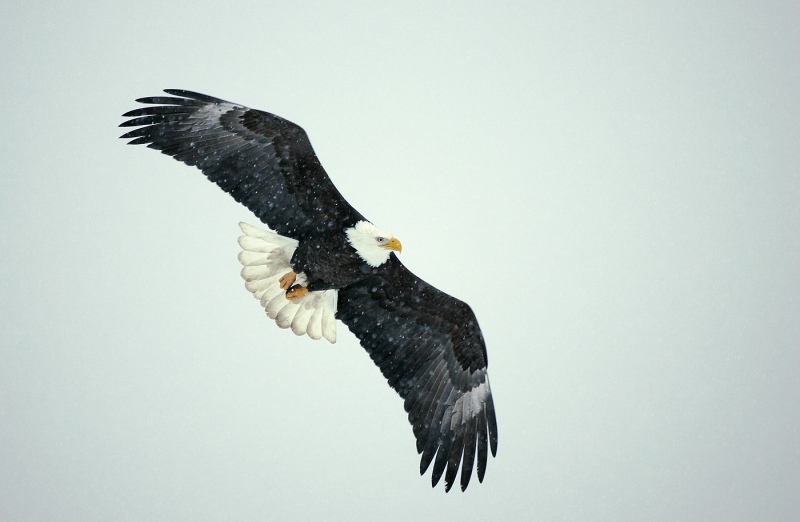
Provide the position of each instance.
(194, 96)
(441, 461)
(426, 436)
(427, 457)
(164, 109)
(135, 133)
(165, 100)
(453, 462)
(469, 452)
(481, 447)
(492, 423)
(140, 141)
(446, 436)
(143, 120)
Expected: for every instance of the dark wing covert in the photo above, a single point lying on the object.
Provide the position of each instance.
(265, 162)
(430, 348)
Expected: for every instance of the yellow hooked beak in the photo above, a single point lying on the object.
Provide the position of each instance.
(394, 244)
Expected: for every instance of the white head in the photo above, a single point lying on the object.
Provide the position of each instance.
(373, 245)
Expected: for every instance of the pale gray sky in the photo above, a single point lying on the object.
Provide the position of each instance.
(613, 187)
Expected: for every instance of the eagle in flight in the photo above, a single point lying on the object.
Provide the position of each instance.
(322, 260)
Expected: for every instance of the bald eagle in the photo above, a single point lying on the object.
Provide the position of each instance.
(322, 260)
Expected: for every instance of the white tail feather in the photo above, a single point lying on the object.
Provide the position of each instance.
(315, 324)
(266, 257)
(251, 258)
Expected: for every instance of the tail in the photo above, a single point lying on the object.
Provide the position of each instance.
(266, 257)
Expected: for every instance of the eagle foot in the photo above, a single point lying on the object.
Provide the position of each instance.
(296, 292)
(287, 280)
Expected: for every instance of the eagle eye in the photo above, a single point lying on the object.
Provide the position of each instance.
(380, 239)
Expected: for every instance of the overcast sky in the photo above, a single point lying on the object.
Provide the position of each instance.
(614, 187)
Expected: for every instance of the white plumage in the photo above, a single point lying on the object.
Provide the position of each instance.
(266, 257)
(369, 242)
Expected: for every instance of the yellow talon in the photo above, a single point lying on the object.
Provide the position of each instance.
(296, 292)
(287, 280)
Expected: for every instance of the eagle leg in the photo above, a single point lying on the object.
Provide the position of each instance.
(287, 280)
(296, 292)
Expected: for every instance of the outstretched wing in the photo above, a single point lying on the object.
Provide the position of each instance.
(430, 348)
(264, 161)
